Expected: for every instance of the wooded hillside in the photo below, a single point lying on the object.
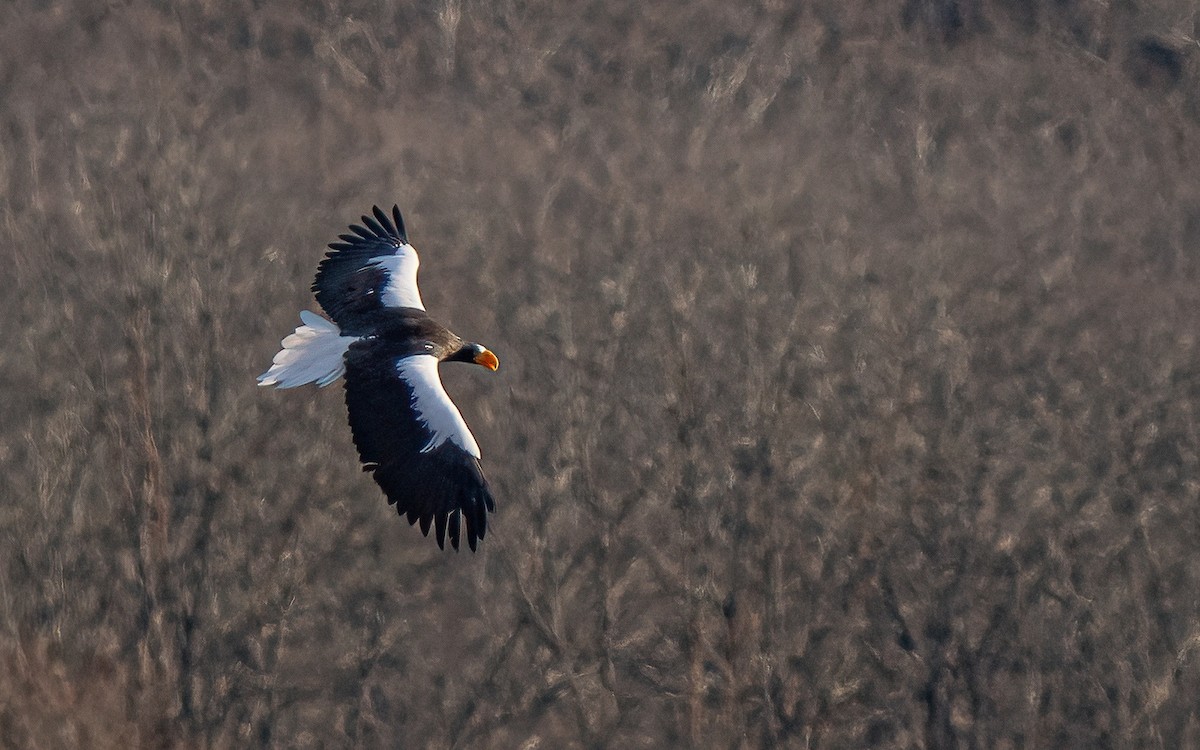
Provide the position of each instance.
(849, 396)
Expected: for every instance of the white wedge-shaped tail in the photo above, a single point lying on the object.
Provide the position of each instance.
(315, 353)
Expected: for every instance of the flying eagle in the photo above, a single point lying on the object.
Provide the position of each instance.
(407, 430)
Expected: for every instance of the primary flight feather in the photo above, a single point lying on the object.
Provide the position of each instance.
(409, 433)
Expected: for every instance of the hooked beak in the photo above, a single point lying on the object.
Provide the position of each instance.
(487, 359)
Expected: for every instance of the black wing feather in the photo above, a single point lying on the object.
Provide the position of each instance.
(434, 488)
(364, 233)
(383, 220)
(375, 227)
(346, 287)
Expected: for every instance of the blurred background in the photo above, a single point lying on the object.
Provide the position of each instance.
(849, 394)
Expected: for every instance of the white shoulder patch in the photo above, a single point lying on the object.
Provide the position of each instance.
(434, 409)
(401, 289)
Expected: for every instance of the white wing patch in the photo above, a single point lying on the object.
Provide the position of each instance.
(315, 353)
(433, 407)
(401, 289)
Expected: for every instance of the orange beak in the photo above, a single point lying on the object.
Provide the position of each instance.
(488, 360)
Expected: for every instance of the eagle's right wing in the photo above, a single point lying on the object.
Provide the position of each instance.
(412, 436)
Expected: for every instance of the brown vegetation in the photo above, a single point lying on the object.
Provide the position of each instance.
(850, 390)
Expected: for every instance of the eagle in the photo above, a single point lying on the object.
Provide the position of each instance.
(408, 432)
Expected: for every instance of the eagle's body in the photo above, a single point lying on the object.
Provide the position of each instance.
(407, 430)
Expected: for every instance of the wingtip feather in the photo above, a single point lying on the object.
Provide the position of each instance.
(384, 221)
(374, 227)
(440, 520)
(400, 231)
(453, 527)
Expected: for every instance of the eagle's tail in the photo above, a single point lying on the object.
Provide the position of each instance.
(315, 353)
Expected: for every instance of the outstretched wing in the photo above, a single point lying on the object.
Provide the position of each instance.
(412, 436)
(371, 269)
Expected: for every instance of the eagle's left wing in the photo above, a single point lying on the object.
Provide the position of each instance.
(371, 269)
